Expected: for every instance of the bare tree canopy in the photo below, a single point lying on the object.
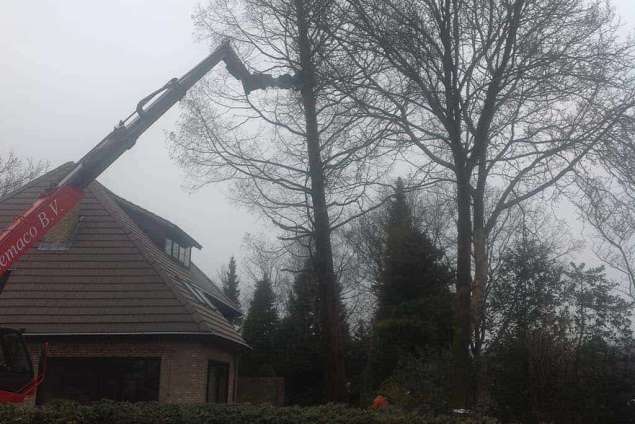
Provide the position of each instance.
(259, 141)
(15, 172)
(306, 160)
(500, 102)
(509, 97)
(605, 198)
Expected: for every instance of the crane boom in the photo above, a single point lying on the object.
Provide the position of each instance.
(54, 204)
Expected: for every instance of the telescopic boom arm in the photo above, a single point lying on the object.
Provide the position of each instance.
(53, 205)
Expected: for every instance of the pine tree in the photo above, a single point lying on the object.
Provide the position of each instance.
(414, 304)
(301, 330)
(260, 329)
(302, 336)
(231, 283)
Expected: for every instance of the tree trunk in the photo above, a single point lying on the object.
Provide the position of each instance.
(481, 266)
(331, 318)
(481, 262)
(462, 376)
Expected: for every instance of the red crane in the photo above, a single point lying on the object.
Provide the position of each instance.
(16, 370)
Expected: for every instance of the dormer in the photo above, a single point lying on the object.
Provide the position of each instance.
(168, 237)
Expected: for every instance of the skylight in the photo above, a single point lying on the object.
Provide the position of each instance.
(199, 295)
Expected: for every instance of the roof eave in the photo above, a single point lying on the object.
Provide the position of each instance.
(141, 334)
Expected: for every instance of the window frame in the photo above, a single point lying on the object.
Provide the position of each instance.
(167, 248)
(181, 254)
(199, 295)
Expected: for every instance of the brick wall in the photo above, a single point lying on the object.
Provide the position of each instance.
(183, 363)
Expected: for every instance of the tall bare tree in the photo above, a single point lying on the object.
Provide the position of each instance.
(303, 159)
(504, 96)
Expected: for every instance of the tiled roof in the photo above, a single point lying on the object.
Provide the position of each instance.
(112, 279)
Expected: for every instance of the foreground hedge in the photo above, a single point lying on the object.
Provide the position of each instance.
(152, 413)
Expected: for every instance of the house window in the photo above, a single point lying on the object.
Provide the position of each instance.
(217, 382)
(168, 246)
(178, 252)
(92, 379)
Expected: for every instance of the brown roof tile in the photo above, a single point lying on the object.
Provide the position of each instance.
(111, 280)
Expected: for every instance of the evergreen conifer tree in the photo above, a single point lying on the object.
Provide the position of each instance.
(302, 338)
(260, 329)
(414, 305)
(231, 283)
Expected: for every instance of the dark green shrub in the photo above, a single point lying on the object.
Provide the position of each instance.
(419, 383)
(152, 413)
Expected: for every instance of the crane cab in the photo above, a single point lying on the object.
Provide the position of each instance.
(17, 380)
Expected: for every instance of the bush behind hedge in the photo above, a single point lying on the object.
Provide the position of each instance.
(153, 413)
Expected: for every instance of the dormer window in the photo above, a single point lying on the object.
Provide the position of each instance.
(178, 252)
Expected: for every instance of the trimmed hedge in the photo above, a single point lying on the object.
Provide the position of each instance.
(152, 413)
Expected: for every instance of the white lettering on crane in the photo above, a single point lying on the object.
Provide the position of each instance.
(53, 207)
(44, 219)
(11, 252)
(21, 243)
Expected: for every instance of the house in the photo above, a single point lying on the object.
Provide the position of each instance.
(126, 313)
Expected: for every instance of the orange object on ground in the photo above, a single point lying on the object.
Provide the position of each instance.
(379, 403)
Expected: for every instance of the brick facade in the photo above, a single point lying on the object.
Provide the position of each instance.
(183, 363)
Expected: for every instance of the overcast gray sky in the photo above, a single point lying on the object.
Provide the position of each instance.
(71, 69)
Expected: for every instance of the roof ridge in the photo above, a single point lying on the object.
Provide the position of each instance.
(142, 242)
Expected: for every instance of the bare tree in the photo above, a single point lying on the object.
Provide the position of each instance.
(307, 160)
(611, 215)
(266, 256)
(509, 96)
(15, 172)
(605, 198)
